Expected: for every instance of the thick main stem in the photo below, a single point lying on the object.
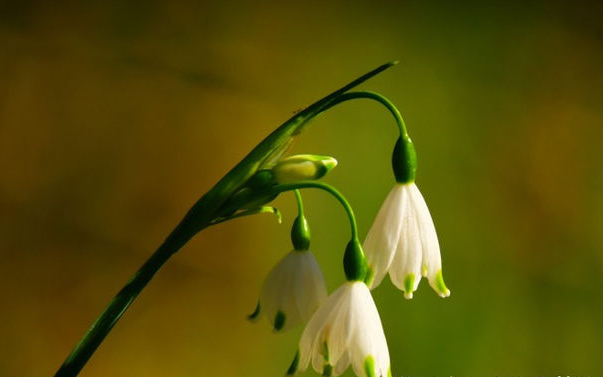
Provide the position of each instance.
(124, 298)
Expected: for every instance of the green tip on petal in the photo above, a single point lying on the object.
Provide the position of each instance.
(409, 284)
(370, 276)
(325, 353)
(253, 316)
(424, 270)
(279, 321)
(369, 366)
(327, 370)
(294, 364)
(389, 372)
(440, 286)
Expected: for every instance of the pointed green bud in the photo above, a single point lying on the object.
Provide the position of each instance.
(302, 167)
(354, 262)
(404, 161)
(300, 234)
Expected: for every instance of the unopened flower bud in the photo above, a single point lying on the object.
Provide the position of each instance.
(302, 167)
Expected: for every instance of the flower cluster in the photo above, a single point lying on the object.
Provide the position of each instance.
(344, 328)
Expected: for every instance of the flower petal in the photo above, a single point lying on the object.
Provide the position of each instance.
(345, 329)
(369, 338)
(382, 238)
(432, 262)
(313, 337)
(293, 290)
(309, 288)
(405, 271)
(342, 364)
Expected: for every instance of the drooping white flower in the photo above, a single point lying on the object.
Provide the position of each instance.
(292, 291)
(345, 330)
(403, 241)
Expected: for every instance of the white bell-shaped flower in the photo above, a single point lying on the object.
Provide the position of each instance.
(292, 291)
(403, 241)
(345, 330)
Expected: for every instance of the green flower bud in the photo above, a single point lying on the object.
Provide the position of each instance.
(302, 167)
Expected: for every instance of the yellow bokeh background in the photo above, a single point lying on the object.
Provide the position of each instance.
(115, 117)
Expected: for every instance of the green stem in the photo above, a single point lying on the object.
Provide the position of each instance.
(404, 156)
(376, 97)
(300, 203)
(328, 188)
(124, 298)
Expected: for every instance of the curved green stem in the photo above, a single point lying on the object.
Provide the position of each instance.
(376, 97)
(404, 156)
(325, 187)
(300, 203)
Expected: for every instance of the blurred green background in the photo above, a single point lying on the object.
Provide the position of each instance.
(116, 116)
